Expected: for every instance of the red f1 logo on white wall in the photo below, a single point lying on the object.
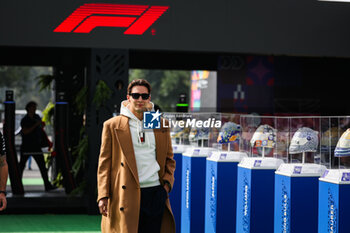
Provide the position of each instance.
(137, 18)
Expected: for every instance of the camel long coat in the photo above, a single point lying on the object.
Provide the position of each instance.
(118, 180)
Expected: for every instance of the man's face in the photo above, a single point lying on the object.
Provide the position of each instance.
(31, 110)
(138, 105)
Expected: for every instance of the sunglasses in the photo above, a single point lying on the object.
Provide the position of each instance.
(136, 96)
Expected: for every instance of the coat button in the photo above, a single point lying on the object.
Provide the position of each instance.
(121, 208)
(122, 164)
(123, 187)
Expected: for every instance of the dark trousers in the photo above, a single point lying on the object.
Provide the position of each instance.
(152, 209)
(39, 159)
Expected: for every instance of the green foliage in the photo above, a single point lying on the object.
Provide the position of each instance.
(14, 76)
(80, 152)
(80, 155)
(80, 99)
(167, 85)
(44, 81)
(22, 80)
(102, 94)
(58, 182)
(80, 189)
(48, 113)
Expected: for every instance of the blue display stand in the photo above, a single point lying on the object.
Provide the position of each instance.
(175, 194)
(221, 191)
(334, 201)
(255, 195)
(296, 198)
(193, 189)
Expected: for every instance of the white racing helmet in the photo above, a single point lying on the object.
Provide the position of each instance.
(264, 136)
(343, 146)
(304, 140)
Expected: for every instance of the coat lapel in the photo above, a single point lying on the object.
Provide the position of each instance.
(158, 139)
(125, 141)
(160, 149)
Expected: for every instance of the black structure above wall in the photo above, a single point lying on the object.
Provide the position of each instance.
(141, 59)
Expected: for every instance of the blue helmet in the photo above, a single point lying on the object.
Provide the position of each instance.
(229, 133)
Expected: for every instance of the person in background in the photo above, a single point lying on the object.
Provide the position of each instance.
(157, 108)
(135, 170)
(30, 163)
(33, 138)
(3, 174)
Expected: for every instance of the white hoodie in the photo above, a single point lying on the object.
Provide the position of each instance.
(145, 153)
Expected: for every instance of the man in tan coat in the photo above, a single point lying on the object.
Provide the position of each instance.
(136, 170)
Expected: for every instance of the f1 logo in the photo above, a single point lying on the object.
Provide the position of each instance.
(137, 18)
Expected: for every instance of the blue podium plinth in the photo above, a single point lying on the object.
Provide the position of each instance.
(334, 201)
(193, 189)
(221, 191)
(175, 194)
(255, 195)
(296, 198)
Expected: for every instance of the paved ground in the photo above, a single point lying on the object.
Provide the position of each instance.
(34, 173)
(32, 180)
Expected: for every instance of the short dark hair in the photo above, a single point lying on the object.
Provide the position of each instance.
(139, 82)
(31, 104)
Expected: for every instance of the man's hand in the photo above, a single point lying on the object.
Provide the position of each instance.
(3, 202)
(166, 187)
(38, 122)
(102, 205)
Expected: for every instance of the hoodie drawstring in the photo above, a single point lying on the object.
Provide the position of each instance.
(142, 134)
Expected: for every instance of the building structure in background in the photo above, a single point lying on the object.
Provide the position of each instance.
(203, 91)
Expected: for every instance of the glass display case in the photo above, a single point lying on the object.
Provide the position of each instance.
(321, 135)
(259, 136)
(295, 139)
(339, 142)
(227, 136)
(194, 129)
(204, 127)
(179, 131)
(334, 185)
(304, 134)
